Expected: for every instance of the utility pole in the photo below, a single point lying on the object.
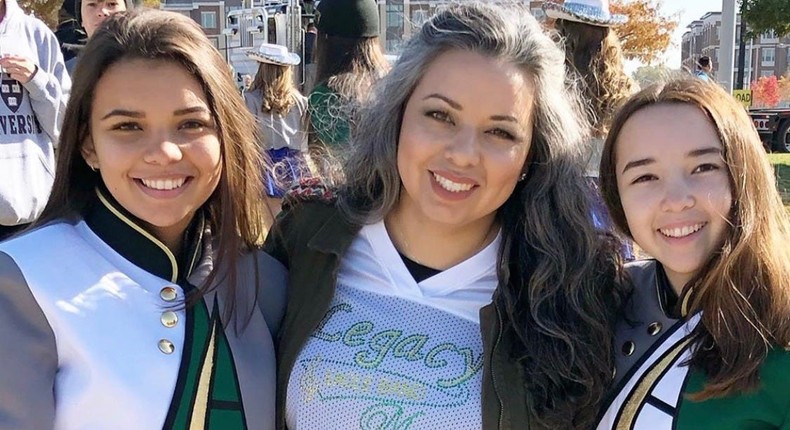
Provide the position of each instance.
(739, 82)
(727, 44)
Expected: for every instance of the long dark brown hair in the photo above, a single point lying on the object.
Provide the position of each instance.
(559, 292)
(235, 212)
(742, 290)
(595, 55)
(349, 66)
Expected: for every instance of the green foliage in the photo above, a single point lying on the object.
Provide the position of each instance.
(766, 15)
(648, 75)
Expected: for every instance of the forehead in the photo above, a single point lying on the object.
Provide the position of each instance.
(148, 85)
(483, 80)
(665, 130)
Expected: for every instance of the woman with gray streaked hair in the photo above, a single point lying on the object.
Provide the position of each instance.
(457, 281)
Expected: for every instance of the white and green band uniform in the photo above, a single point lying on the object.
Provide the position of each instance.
(95, 334)
(653, 383)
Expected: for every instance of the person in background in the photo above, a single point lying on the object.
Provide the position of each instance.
(90, 15)
(309, 63)
(348, 61)
(69, 32)
(281, 112)
(704, 68)
(139, 299)
(595, 59)
(457, 281)
(34, 89)
(705, 340)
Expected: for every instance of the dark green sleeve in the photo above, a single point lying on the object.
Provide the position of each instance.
(28, 355)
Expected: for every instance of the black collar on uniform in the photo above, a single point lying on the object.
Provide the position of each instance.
(124, 233)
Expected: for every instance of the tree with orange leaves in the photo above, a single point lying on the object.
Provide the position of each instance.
(647, 34)
(765, 92)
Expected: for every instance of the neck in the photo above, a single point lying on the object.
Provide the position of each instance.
(438, 246)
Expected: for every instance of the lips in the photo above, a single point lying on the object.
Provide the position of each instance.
(680, 232)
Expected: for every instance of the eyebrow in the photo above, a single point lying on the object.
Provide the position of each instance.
(694, 153)
(504, 118)
(137, 114)
(457, 106)
(454, 104)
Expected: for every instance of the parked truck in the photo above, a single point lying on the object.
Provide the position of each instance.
(773, 125)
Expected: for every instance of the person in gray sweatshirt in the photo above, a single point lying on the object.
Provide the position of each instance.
(34, 89)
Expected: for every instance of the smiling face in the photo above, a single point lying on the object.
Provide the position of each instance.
(464, 140)
(94, 12)
(674, 186)
(155, 144)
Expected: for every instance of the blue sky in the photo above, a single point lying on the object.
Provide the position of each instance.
(687, 10)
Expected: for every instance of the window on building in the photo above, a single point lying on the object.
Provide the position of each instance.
(769, 56)
(208, 19)
(768, 35)
(394, 32)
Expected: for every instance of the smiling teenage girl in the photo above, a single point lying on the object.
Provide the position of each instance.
(684, 174)
(132, 304)
(458, 282)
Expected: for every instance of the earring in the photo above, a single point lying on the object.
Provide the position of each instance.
(94, 168)
(522, 177)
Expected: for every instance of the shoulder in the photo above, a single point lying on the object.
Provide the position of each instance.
(775, 371)
(307, 207)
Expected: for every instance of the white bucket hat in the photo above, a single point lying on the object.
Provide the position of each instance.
(274, 54)
(593, 12)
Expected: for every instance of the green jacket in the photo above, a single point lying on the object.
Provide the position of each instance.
(310, 240)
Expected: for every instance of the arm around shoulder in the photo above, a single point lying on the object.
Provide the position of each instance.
(28, 355)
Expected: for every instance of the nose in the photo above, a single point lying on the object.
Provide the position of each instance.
(463, 149)
(678, 196)
(162, 151)
(104, 11)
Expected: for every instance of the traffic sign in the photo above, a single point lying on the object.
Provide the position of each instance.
(743, 96)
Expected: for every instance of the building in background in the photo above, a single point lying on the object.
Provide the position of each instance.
(766, 54)
(399, 18)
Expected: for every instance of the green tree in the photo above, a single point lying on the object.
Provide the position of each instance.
(45, 10)
(766, 15)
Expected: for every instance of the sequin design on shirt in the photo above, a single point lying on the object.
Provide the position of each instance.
(385, 362)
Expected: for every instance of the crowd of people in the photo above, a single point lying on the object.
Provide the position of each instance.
(440, 242)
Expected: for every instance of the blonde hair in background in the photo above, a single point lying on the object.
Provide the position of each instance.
(277, 86)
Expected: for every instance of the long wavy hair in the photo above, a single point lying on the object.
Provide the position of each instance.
(235, 213)
(742, 289)
(349, 66)
(594, 54)
(558, 275)
(276, 84)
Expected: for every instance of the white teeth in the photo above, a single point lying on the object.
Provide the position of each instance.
(163, 184)
(681, 231)
(451, 186)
